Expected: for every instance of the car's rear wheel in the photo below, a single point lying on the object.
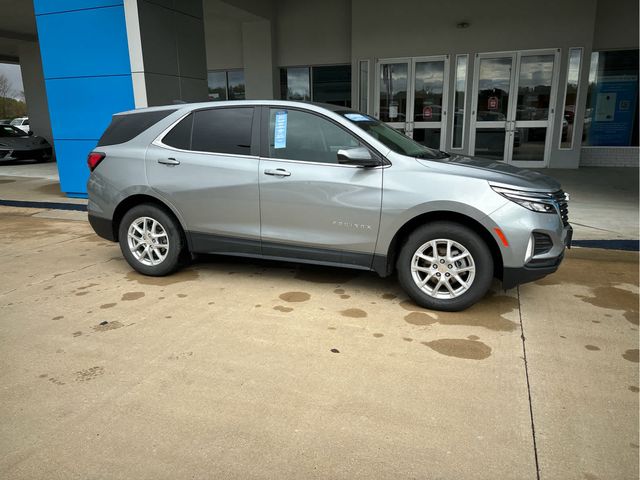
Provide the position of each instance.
(445, 266)
(151, 240)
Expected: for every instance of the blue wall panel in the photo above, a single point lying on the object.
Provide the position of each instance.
(85, 58)
(87, 111)
(57, 6)
(84, 43)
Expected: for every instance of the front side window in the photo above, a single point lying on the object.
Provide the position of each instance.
(222, 130)
(296, 135)
(390, 137)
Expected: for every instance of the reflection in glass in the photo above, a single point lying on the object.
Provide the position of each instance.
(363, 102)
(429, 137)
(429, 81)
(236, 85)
(570, 97)
(393, 92)
(332, 84)
(458, 101)
(295, 83)
(490, 142)
(528, 144)
(217, 85)
(494, 83)
(534, 87)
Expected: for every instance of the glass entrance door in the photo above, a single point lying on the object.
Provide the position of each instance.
(512, 117)
(412, 97)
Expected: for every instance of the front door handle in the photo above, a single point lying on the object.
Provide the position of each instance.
(168, 161)
(278, 172)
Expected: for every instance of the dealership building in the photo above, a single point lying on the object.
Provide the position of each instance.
(544, 83)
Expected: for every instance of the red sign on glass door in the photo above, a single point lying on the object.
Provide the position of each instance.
(427, 113)
(493, 103)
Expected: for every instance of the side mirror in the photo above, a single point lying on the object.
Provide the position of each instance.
(359, 156)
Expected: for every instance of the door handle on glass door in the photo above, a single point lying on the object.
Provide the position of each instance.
(278, 172)
(168, 161)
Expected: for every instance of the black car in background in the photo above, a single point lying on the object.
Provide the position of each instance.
(18, 145)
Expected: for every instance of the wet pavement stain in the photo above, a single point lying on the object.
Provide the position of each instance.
(486, 313)
(180, 356)
(77, 334)
(129, 296)
(89, 374)
(181, 276)
(473, 337)
(284, 309)
(593, 348)
(331, 328)
(107, 305)
(460, 348)
(79, 294)
(295, 297)
(88, 286)
(339, 291)
(388, 296)
(59, 317)
(353, 313)
(325, 275)
(631, 355)
(50, 189)
(334, 350)
(182, 295)
(407, 339)
(615, 298)
(344, 297)
(104, 326)
(634, 389)
(378, 335)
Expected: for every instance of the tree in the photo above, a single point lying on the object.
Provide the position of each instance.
(10, 107)
(5, 89)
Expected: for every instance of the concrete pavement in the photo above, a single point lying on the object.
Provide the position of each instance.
(242, 369)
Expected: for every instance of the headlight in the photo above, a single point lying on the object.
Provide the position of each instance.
(535, 201)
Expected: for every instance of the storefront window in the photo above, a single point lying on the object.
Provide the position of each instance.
(226, 85)
(363, 92)
(570, 97)
(326, 84)
(611, 114)
(458, 101)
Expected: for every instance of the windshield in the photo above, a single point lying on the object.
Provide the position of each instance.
(390, 137)
(9, 131)
(16, 121)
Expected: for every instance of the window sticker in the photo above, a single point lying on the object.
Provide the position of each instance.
(280, 134)
(357, 117)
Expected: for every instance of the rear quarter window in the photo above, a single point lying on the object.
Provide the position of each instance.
(126, 127)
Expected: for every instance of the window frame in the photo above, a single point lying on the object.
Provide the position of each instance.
(466, 98)
(254, 151)
(564, 98)
(366, 107)
(264, 138)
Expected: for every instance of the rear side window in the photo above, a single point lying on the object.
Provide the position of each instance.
(125, 127)
(180, 135)
(223, 130)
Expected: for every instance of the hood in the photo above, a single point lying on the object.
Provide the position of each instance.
(22, 143)
(493, 171)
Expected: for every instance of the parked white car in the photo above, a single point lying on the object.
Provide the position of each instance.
(22, 123)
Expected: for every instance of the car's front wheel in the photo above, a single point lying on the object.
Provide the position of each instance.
(445, 266)
(151, 240)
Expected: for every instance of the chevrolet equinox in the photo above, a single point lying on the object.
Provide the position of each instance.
(320, 184)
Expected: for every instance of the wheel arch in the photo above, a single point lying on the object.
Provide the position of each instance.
(386, 265)
(138, 199)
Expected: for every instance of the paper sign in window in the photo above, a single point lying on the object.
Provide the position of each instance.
(280, 134)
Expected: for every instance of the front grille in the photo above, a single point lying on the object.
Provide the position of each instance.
(561, 198)
(542, 243)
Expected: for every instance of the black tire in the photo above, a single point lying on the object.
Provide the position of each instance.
(175, 240)
(468, 239)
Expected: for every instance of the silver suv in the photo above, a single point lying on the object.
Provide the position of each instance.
(320, 184)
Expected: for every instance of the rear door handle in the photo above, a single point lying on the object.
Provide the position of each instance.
(168, 161)
(278, 172)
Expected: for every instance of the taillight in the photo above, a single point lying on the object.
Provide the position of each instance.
(94, 159)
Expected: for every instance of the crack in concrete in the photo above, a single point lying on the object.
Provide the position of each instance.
(526, 370)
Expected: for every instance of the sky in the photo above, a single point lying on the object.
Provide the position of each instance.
(12, 72)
